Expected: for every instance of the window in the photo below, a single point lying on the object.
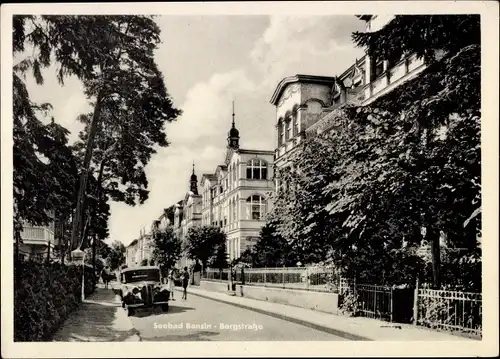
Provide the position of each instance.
(234, 211)
(281, 134)
(379, 68)
(256, 207)
(288, 124)
(256, 169)
(295, 125)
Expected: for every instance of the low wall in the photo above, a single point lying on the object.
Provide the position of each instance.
(213, 286)
(320, 301)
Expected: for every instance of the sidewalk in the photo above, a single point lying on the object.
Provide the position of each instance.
(343, 326)
(99, 318)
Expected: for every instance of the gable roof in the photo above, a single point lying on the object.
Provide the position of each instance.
(328, 80)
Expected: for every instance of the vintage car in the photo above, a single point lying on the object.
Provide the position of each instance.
(141, 287)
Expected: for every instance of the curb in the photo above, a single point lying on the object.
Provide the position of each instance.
(133, 338)
(339, 333)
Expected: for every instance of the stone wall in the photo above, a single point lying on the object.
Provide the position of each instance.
(320, 301)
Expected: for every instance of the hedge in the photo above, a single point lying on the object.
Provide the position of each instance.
(44, 295)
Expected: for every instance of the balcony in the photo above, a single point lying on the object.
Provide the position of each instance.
(244, 224)
(403, 71)
(37, 236)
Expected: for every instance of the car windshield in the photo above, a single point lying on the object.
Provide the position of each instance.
(140, 275)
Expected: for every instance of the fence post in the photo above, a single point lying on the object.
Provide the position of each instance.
(265, 274)
(283, 276)
(415, 304)
(307, 278)
(392, 303)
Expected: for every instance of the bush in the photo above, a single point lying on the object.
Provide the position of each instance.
(44, 295)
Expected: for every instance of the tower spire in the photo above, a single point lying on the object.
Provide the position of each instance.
(193, 182)
(233, 115)
(233, 137)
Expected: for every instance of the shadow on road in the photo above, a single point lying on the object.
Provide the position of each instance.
(96, 320)
(143, 313)
(196, 336)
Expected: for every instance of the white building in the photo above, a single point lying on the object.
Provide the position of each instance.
(304, 103)
(237, 195)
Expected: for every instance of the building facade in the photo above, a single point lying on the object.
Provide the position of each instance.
(187, 214)
(236, 196)
(37, 241)
(305, 104)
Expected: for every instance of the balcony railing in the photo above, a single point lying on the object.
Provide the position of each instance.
(37, 235)
(393, 77)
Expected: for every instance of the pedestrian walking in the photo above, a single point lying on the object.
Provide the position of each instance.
(185, 281)
(105, 277)
(170, 283)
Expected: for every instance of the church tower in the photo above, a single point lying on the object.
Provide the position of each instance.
(193, 183)
(233, 136)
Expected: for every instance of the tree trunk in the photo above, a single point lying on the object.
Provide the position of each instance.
(82, 188)
(434, 240)
(99, 199)
(17, 247)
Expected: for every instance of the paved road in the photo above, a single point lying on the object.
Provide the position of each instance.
(201, 319)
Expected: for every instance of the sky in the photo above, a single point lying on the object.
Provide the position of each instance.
(208, 62)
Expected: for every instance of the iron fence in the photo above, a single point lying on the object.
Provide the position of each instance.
(435, 309)
(319, 279)
(216, 275)
(374, 301)
(450, 310)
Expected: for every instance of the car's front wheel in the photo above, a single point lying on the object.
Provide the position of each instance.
(130, 312)
(164, 308)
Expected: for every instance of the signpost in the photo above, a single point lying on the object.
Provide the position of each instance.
(230, 275)
(78, 257)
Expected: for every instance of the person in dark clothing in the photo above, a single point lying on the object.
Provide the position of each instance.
(185, 281)
(105, 276)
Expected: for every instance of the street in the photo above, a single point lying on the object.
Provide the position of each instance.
(201, 319)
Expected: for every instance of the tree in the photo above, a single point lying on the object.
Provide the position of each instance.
(407, 164)
(45, 172)
(103, 249)
(166, 249)
(117, 255)
(121, 78)
(271, 249)
(44, 166)
(421, 35)
(203, 243)
(247, 257)
(446, 96)
(219, 258)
